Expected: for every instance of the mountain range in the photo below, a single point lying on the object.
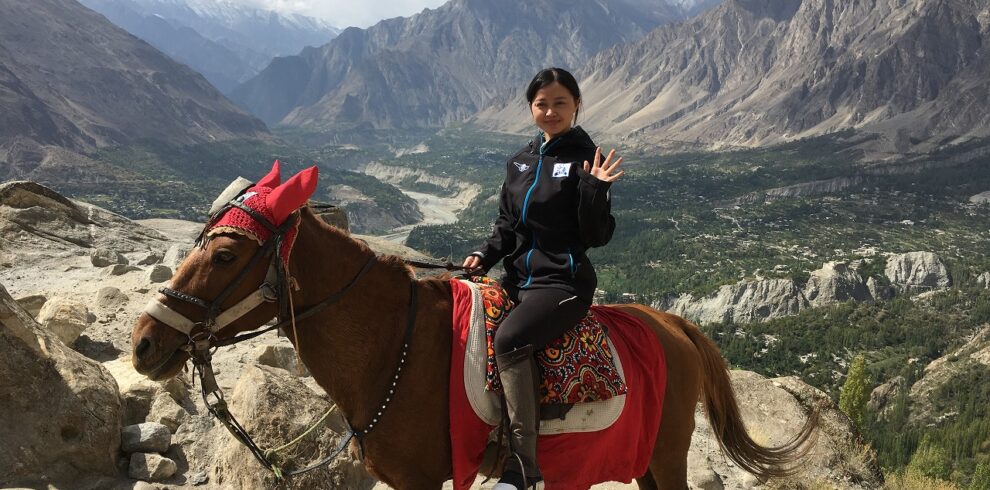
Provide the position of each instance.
(72, 82)
(911, 75)
(226, 42)
(444, 64)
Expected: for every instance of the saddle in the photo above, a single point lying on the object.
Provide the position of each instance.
(579, 367)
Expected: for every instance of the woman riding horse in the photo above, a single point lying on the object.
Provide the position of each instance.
(551, 209)
(381, 342)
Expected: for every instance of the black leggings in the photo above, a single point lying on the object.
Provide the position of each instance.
(540, 316)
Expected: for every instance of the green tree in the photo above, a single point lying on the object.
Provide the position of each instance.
(930, 461)
(981, 477)
(855, 392)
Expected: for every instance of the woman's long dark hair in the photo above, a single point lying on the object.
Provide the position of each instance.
(548, 76)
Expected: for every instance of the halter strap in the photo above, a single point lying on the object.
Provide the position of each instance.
(266, 293)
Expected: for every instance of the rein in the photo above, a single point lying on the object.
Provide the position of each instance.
(275, 287)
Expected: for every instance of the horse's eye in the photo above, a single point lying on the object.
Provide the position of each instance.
(223, 257)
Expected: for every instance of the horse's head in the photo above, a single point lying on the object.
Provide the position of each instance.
(230, 282)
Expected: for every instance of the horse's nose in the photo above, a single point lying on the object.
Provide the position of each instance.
(142, 349)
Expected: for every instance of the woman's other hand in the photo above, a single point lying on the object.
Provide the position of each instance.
(608, 170)
(471, 264)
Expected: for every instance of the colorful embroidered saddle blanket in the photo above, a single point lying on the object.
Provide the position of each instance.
(572, 452)
(578, 367)
(567, 377)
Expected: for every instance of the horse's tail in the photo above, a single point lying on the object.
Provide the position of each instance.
(726, 421)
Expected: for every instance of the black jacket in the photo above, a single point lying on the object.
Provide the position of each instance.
(546, 223)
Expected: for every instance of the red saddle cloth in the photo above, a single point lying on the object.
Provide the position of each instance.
(576, 368)
(620, 452)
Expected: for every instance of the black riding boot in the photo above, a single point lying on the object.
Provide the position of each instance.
(520, 383)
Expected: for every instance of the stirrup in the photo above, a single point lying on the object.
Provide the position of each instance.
(538, 485)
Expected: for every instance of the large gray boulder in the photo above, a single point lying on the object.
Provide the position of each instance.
(274, 405)
(774, 411)
(59, 411)
(917, 272)
(834, 283)
(35, 221)
(743, 302)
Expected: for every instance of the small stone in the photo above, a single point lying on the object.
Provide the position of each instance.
(32, 304)
(200, 478)
(165, 411)
(149, 437)
(143, 485)
(707, 480)
(159, 273)
(66, 319)
(104, 257)
(152, 258)
(151, 467)
(119, 270)
(749, 481)
(177, 387)
(279, 356)
(174, 256)
(110, 298)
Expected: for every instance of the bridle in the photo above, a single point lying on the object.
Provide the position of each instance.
(203, 334)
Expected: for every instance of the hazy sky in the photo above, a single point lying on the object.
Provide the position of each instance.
(345, 13)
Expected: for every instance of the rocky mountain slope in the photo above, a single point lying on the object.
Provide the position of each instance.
(911, 74)
(836, 282)
(440, 65)
(71, 80)
(226, 42)
(102, 267)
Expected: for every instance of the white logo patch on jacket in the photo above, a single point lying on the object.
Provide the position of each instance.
(562, 169)
(521, 166)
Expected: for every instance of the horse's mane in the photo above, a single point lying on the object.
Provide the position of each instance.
(392, 262)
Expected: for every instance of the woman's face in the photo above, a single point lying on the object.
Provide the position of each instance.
(553, 109)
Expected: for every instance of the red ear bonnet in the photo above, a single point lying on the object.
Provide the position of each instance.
(274, 177)
(289, 196)
(274, 201)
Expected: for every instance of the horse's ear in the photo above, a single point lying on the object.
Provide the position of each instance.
(274, 177)
(289, 196)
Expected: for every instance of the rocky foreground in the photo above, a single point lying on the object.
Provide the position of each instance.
(74, 414)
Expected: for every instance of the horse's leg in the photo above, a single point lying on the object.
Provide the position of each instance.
(646, 482)
(419, 483)
(668, 464)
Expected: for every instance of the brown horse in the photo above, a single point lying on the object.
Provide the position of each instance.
(353, 347)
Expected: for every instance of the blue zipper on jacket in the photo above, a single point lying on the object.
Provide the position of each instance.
(529, 268)
(536, 179)
(570, 260)
(544, 148)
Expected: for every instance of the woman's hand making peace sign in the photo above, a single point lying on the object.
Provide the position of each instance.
(606, 170)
